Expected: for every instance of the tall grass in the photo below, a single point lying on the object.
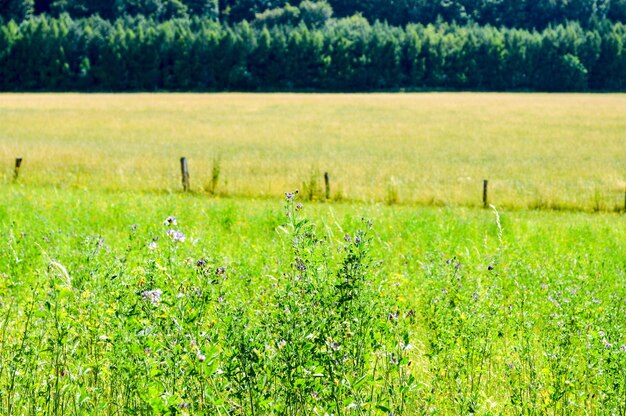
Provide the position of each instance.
(110, 305)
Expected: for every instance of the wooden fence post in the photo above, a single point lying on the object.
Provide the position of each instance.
(485, 201)
(184, 169)
(18, 163)
(327, 183)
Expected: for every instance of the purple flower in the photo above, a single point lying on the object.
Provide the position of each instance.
(176, 235)
(152, 296)
(334, 346)
(291, 195)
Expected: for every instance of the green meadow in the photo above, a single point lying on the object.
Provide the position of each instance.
(121, 294)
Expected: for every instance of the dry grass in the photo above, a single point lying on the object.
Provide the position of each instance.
(538, 150)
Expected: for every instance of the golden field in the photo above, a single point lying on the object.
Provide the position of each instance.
(537, 150)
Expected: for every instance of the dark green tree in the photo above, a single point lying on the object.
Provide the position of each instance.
(315, 14)
(17, 10)
(202, 8)
(84, 8)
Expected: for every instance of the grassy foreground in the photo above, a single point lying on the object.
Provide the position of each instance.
(538, 150)
(106, 307)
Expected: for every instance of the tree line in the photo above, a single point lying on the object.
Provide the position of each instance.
(528, 14)
(312, 52)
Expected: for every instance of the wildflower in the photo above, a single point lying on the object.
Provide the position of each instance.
(357, 239)
(299, 206)
(201, 357)
(220, 271)
(201, 264)
(281, 344)
(183, 406)
(607, 344)
(291, 195)
(152, 296)
(176, 235)
(334, 346)
(152, 246)
(623, 348)
(171, 220)
(180, 296)
(301, 267)
(347, 238)
(352, 406)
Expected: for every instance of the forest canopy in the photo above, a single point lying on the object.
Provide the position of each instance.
(260, 45)
(527, 14)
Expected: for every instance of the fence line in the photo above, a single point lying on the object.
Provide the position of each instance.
(185, 175)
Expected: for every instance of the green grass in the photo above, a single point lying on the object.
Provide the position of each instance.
(438, 307)
(529, 322)
(537, 150)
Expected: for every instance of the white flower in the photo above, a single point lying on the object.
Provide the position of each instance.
(171, 220)
(152, 246)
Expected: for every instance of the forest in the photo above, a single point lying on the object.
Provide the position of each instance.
(527, 14)
(260, 45)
